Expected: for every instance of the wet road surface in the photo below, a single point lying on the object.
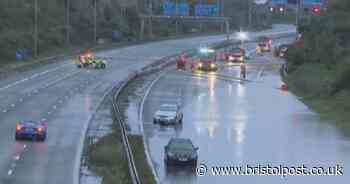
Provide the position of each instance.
(66, 98)
(235, 124)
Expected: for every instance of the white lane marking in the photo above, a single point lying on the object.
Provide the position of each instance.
(260, 73)
(31, 77)
(24, 146)
(17, 157)
(21, 99)
(43, 119)
(10, 172)
(54, 107)
(5, 110)
(48, 112)
(13, 105)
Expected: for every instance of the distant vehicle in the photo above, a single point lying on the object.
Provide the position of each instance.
(88, 59)
(207, 65)
(168, 114)
(31, 130)
(235, 55)
(181, 62)
(206, 61)
(264, 45)
(281, 50)
(180, 151)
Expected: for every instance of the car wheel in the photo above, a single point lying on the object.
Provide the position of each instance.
(16, 138)
(195, 163)
(42, 138)
(154, 121)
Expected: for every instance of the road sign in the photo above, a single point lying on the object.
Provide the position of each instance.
(279, 2)
(260, 2)
(172, 9)
(312, 2)
(206, 10)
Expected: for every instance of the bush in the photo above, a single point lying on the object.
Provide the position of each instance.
(342, 81)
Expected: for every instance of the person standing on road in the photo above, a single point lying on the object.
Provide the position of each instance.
(243, 71)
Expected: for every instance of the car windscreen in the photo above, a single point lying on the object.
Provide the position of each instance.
(180, 146)
(236, 50)
(168, 108)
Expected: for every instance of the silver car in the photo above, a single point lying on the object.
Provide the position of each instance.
(168, 114)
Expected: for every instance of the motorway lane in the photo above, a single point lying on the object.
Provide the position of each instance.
(54, 161)
(67, 105)
(235, 124)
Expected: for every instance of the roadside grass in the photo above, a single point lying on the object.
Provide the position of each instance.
(142, 166)
(312, 82)
(107, 157)
(136, 141)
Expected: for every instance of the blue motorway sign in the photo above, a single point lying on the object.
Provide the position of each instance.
(312, 2)
(206, 10)
(170, 9)
(279, 2)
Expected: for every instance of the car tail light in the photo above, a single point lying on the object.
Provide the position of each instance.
(18, 127)
(40, 129)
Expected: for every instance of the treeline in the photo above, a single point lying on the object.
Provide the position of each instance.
(325, 40)
(17, 23)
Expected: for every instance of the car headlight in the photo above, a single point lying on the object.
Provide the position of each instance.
(241, 58)
(230, 58)
(200, 64)
(212, 65)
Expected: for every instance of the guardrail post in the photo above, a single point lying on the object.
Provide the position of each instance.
(176, 27)
(142, 28)
(150, 24)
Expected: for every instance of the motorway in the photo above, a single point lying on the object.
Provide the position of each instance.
(235, 124)
(66, 98)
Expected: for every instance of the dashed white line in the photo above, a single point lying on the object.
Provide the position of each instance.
(13, 105)
(10, 172)
(29, 78)
(5, 110)
(17, 157)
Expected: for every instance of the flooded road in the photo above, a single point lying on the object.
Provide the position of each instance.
(238, 124)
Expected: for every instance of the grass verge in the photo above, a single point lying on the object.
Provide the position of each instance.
(136, 141)
(107, 158)
(313, 83)
(142, 166)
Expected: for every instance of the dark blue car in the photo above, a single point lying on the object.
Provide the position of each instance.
(31, 130)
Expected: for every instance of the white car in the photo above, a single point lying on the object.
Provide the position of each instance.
(168, 114)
